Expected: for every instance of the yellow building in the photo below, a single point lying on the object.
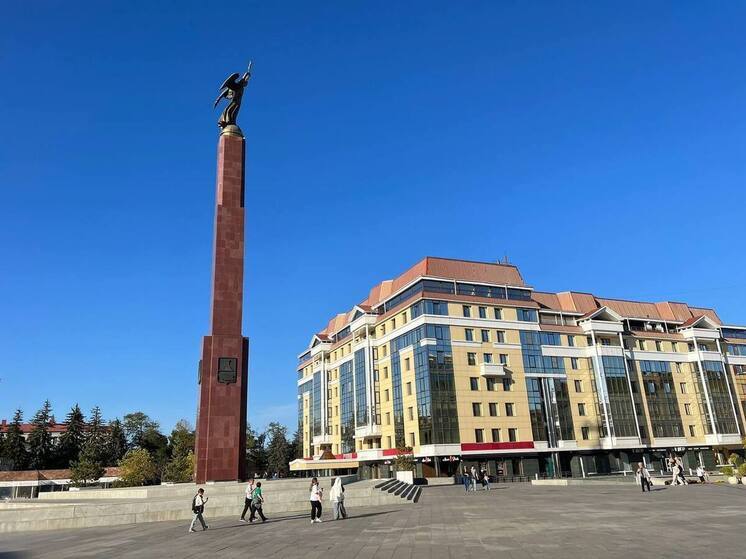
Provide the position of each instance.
(467, 365)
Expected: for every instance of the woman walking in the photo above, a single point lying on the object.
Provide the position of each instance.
(316, 494)
(257, 502)
(643, 475)
(337, 497)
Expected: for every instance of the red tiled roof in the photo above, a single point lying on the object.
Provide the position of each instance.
(40, 475)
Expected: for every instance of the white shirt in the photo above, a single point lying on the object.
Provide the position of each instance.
(249, 490)
(315, 493)
(198, 502)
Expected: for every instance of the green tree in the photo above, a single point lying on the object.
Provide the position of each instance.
(137, 468)
(256, 453)
(40, 443)
(180, 467)
(278, 448)
(85, 470)
(157, 445)
(135, 425)
(14, 450)
(96, 437)
(71, 442)
(116, 443)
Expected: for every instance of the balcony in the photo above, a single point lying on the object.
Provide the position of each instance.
(368, 431)
(492, 370)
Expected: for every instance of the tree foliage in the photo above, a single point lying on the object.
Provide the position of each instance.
(71, 442)
(256, 454)
(180, 468)
(40, 446)
(279, 452)
(14, 452)
(137, 468)
(86, 470)
(404, 461)
(136, 425)
(116, 443)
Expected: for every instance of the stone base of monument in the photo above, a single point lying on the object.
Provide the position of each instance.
(111, 507)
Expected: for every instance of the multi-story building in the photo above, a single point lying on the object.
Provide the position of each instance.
(465, 363)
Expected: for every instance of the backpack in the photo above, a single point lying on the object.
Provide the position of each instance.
(194, 504)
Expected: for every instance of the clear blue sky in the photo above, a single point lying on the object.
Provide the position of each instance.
(600, 146)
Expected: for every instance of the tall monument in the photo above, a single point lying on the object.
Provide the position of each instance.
(220, 445)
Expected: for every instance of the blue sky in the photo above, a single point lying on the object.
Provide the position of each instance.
(601, 147)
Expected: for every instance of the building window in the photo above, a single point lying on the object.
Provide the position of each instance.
(388, 418)
(388, 442)
(675, 346)
(678, 367)
(589, 341)
(584, 433)
(491, 384)
(476, 409)
(692, 431)
(482, 312)
(409, 389)
(493, 409)
(479, 435)
(503, 359)
(507, 382)
(467, 311)
(411, 440)
(498, 314)
(410, 412)
(474, 383)
(500, 336)
(509, 409)
(605, 341)
(581, 409)
(641, 344)
(513, 434)
(471, 358)
(527, 315)
(658, 346)
(574, 363)
(495, 435)
(468, 334)
(682, 387)
(571, 341)
(385, 372)
(485, 335)
(578, 386)
(386, 394)
(688, 409)
(487, 357)
(407, 364)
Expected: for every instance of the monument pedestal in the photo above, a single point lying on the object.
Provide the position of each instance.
(220, 445)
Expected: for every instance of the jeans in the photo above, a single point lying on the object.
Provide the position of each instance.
(339, 510)
(247, 506)
(644, 482)
(315, 510)
(198, 516)
(257, 510)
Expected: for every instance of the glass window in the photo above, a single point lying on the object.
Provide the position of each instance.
(468, 334)
(581, 409)
(574, 362)
(473, 383)
(509, 409)
(585, 431)
(500, 336)
(692, 431)
(487, 357)
(407, 364)
(479, 435)
(491, 384)
(641, 344)
(507, 382)
(682, 387)
(467, 310)
(498, 314)
(503, 358)
(688, 409)
(513, 435)
(571, 341)
(493, 409)
(485, 335)
(482, 312)
(410, 413)
(658, 346)
(527, 315)
(578, 386)
(495, 435)
(409, 389)
(476, 409)
(471, 358)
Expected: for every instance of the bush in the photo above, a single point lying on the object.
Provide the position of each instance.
(727, 471)
(735, 460)
(137, 468)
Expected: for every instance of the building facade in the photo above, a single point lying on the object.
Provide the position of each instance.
(466, 364)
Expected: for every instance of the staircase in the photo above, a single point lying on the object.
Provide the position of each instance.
(401, 489)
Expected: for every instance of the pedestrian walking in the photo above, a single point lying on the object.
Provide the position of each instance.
(257, 503)
(485, 480)
(473, 478)
(317, 494)
(680, 464)
(466, 481)
(701, 473)
(247, 499)
(337, 497)
(198, 508)
(643, 475)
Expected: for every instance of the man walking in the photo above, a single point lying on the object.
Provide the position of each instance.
(474, 478)
(198, 508)
(644, 476)
(247, 500)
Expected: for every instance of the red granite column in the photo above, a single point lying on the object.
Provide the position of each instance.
(220, 445)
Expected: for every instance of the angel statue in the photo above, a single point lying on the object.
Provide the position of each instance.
(232, 89)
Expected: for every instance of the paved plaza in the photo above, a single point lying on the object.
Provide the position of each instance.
(511, 521)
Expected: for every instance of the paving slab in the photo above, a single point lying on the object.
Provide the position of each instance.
(511, 521)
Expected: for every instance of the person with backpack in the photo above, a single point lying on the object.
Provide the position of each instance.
(257, 501)
(247, 500)
(198, 508)
(315, 498)
(337, 497)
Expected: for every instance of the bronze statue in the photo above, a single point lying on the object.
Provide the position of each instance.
(232, 89)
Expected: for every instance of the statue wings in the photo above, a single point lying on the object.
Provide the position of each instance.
(229, 85)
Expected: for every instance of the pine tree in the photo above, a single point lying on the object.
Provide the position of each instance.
(116, 444)
(40, 443)
(95, 440)
(14, 446)
(180, 467)
(256, 455)
(278, 448)
(85, 470)
(71, 442)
